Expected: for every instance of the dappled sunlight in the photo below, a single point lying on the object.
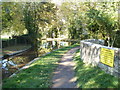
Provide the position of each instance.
(57, 80)
(46, 28)
(90, 83)
(73, 79)
(67, 57)
(23, 81)
(93, 77)
(64, 74)
(38, 74)
(25, 67)
(61, 80)
(68, 63)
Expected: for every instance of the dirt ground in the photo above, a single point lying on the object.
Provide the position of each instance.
(64, 76)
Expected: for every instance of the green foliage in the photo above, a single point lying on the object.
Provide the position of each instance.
(74, 20)
(6, 14)
(117, 40)
(31, 24)
(72, 15)
(91, 20)
(38, 17)
(12, 18)
(93, 77)
(92, 25)
(39, 73)
(103, 22)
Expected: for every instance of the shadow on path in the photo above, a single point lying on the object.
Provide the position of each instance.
(64, 76)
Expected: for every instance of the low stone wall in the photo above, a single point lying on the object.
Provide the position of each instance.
(90, 54)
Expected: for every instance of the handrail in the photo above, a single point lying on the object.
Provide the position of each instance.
(15, 54)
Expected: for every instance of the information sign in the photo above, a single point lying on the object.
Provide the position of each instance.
(107, 56)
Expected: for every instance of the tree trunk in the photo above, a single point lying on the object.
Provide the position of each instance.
(56, 36)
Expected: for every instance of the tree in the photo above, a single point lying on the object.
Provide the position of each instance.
(103, 22)
(12, 18)
(38, 19)
(75, 21)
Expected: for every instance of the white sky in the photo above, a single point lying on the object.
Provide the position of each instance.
(60, 1)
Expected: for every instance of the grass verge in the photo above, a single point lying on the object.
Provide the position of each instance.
(39, 74)
(92, 77)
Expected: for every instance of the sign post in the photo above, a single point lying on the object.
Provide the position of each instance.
(107, 56)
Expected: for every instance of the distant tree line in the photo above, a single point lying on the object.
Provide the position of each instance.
(83, 20)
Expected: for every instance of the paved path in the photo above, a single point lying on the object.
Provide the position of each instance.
(64, 76)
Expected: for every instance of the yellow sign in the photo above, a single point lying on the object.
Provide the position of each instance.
(107, 56)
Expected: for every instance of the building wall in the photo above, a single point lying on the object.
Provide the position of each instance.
(90, 54)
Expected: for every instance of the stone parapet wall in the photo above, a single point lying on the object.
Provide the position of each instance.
(90, 54)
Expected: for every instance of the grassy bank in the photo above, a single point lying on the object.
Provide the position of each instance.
(39, 74)
(93, 77)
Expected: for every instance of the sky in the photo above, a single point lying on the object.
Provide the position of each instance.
(60, 1)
